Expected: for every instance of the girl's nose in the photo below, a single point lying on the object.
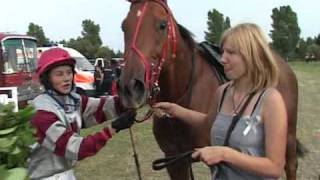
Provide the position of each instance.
(67, 77)
(223, 58)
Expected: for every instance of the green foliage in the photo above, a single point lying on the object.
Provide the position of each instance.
(90, 41)
(301, 49)
(16, 136)
(90, 44)
(105, 52)
(314, 50)
(91, 32)
(216, 25)
(118, 54)
(310, 41)
(317, 40)
(286, 31)
(13, 174)
(37, 32)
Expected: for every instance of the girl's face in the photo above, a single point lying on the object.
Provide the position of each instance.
(61, 78)
(233, 63)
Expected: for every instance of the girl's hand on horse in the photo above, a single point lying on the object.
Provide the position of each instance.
(124, 121)
(168, 109)
(210, 155)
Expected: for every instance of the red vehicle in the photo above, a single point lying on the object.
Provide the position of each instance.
(18, 59)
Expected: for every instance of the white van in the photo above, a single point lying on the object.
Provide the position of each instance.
(84, 77)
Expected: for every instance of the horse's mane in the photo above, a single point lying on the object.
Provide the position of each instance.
(187, 36)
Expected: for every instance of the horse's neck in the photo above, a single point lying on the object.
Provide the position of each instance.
(185, 72)
(175, 77)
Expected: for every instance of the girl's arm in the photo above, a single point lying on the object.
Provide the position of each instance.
(177, 111)
(194, 118)
(275, 126)
(97, 110)
(52, 134)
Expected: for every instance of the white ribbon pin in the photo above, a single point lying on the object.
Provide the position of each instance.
(251, 124)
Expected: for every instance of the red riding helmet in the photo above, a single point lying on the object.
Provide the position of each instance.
(53, 57)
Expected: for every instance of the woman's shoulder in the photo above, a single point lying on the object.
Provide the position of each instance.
(272, 100)
(272, 94)
(222, 87)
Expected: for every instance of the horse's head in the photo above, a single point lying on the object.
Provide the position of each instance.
(150, 37)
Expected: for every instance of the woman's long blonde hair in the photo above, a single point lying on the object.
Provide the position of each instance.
(249, 40)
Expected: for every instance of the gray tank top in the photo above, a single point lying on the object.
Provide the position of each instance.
(247, 137)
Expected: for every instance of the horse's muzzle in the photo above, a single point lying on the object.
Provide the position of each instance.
(133, 94)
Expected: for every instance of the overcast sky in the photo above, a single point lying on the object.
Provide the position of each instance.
(61, 19)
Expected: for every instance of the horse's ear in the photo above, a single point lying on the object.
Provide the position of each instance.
(133, 1)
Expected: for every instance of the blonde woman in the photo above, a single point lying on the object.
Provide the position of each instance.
(256, 146)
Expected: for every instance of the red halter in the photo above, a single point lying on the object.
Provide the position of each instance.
(153, 73)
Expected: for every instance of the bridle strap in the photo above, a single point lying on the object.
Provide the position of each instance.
(171, 41)
(161, 163)
(134, 47)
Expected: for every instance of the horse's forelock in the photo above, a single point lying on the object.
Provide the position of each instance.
(135, 1)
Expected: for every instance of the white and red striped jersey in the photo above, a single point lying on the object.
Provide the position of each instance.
(59, 144)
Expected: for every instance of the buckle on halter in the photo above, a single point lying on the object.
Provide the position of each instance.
(155, 91)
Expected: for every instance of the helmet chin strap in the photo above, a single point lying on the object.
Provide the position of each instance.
(55, 95)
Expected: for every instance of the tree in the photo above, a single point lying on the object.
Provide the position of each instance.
(314, 50)
(317, 40)
(91, 32)
(90, 42)
(105, 52)
(301, 49)
(64, 42)
(309, 41)
(118, 54)
(37, 32)
(216, 25)
(286, 31)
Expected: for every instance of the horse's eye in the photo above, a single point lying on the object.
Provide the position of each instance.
(122, 26)
(163, 25)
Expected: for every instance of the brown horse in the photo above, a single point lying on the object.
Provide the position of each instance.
(160, 53)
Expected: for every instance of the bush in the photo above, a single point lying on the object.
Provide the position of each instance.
(313, 52)
(16, 137)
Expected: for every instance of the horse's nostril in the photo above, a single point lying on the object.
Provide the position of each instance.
(136, 90)
(138, 87)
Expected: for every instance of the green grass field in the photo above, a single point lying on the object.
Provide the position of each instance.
(115, 161)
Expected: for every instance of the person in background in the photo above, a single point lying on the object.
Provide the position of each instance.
(98, 78)
(61, 113)
(257, 144)
(116, 72)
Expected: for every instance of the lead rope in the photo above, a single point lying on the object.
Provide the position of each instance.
(190, 93)
(175, 136)
(135, 155)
